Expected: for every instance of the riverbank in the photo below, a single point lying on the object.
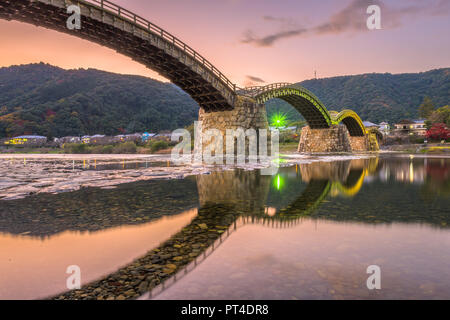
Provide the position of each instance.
(292, 147)
(286, 147)
(26, 175)
(30, 174)
(156, 148)
(91, 150)
(435, 148)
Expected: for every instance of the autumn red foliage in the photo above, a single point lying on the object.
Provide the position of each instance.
(438, 131)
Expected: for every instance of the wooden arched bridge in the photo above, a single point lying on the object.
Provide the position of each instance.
(300, 98)
(311, 108)
(112, 26)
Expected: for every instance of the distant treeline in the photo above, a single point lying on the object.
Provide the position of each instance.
(377, 97)
(40, 99)
(44, 100)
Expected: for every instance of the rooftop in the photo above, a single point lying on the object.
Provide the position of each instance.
(30, 137)
(369, 124)
(405, 121)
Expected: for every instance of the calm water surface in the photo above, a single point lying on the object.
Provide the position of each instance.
(309, 232)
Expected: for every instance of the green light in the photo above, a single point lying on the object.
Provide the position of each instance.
(278, 182)
(278, 120)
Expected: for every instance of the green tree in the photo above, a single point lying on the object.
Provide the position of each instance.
(441, 115)
(426, 108)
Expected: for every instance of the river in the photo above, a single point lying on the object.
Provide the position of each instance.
(144, 228)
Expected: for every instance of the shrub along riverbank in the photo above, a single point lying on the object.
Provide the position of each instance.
(80, 148)
(431, 148)
(164, 147)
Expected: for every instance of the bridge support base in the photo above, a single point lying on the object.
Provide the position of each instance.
(359, 143)
(247, 114)
(333, 139)
(373, 142)
(367, 143)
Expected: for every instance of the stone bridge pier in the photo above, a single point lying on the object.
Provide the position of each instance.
(247, 114)
(335, 139)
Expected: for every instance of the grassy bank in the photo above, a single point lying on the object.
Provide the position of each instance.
(435, 148)
(288, 147)
(153, 147)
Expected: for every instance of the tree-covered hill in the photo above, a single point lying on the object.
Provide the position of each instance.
(46, 100)
(378, 97)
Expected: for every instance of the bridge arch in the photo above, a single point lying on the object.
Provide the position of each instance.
(351, 120)
(309, 106)
(109, 25)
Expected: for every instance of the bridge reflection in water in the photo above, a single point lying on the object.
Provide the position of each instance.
(246, 199)
(408, 249)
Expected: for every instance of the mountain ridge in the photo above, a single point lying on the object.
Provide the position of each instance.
(380, 97)
(47, 100)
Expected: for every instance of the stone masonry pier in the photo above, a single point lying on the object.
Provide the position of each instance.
(247, 114)
(334, 139)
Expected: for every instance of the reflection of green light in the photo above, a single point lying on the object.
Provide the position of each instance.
(278, 182)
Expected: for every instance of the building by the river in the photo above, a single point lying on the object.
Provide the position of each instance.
(26, 141)
(417, 127)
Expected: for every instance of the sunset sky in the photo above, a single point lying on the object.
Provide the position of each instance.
(263, 41)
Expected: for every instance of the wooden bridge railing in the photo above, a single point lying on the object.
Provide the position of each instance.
(256, 90)
(144, 23)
